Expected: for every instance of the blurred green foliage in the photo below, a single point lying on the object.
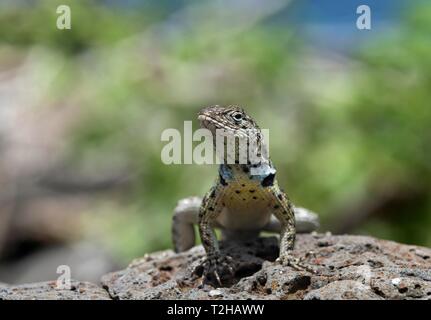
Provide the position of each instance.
(340, 136)
(93, 25)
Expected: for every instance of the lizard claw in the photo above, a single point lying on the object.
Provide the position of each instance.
(215, 266)
(296, 263)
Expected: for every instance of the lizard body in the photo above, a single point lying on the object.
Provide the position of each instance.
(244, 200)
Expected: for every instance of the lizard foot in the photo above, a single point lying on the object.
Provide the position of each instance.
(214, 267)
(290, 261)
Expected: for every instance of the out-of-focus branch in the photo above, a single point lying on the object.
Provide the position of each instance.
(71, 183)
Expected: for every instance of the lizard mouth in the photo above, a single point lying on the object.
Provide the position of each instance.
(209, 123)
(213, 125)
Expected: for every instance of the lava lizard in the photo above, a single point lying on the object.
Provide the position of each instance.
(244, 200)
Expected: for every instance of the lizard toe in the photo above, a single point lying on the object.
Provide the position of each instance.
(296, 263)
(215, 267)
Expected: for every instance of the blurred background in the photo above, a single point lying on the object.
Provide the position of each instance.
(82, 112)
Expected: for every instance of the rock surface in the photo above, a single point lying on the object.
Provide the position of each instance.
(49, 291)
(346, 267)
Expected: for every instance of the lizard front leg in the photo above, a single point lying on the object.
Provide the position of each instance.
(284, 212)
(216, 262)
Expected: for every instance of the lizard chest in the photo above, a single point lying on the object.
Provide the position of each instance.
(246, 205)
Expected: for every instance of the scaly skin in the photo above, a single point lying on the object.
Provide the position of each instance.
(244, 196)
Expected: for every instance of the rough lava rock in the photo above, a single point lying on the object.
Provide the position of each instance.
(346, 267)
(49, 291)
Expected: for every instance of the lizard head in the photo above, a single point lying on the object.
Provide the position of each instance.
(232, 119)
(232, 122)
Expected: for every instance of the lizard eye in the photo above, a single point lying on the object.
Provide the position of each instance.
(237, 116)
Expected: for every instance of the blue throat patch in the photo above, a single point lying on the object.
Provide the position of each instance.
(259, 173)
